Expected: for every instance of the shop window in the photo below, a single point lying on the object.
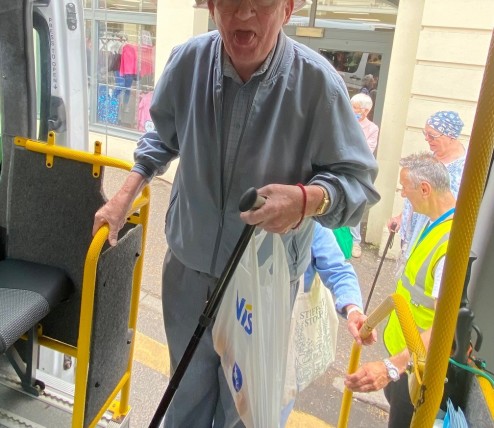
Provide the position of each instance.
(89, 49)
(125, 74)
(129, 5)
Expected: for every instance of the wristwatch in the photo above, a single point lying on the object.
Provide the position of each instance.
(323, 207)
(393, 372)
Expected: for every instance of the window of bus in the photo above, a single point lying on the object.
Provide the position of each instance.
(41, 42)
(124, 74)
(359, 70)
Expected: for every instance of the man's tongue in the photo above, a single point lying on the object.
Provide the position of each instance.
(244, 37)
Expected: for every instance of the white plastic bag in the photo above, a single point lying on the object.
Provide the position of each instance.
(313, 334)
(251, 331)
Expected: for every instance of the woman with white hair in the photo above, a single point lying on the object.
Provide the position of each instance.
(362, 105)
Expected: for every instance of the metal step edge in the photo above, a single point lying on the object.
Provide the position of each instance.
(58, 394)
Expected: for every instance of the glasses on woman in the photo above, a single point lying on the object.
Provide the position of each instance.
(231, 6)
(429, 135)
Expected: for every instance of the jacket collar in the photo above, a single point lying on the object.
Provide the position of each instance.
(280, 60)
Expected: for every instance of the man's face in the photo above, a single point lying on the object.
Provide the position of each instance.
(249, 29)
(410, 191)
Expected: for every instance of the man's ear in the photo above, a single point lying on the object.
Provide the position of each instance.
(211, 9)
(288, 10)
(425, 188)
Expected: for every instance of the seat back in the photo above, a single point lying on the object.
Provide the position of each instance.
(17, 83)
(50, 216)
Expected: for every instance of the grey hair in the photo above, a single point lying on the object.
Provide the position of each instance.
(362, 100)
(424, 166)
(367, 80)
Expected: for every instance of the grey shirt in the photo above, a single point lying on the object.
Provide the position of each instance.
(295, 124)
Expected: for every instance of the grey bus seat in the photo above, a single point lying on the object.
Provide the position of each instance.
(83, 294)
(28, 292)
(49, 222)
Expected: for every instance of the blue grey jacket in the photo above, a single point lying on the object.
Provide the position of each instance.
(300, 128)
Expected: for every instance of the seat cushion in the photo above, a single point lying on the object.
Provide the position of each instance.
(28, 292)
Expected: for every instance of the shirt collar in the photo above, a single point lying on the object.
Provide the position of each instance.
(229, 69)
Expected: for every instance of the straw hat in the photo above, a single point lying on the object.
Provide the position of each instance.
(298, 4)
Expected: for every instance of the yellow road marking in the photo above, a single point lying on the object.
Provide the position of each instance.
(154, 355)
(304, 420)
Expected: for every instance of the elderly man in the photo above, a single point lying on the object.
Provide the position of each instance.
(242, 106)
(425, 182)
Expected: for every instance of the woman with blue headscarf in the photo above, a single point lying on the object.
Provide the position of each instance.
(441, 131)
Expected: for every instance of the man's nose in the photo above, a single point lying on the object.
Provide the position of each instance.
(246, 8)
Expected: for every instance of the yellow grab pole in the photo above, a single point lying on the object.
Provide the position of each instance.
(86, 325)
(346, 401)
(123, 407)
(412, 339)
(467, 207)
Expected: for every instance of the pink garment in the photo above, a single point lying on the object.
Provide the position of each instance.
(128, 60)
(147, 60)
(137, 60)
(371, 132)
(144, 121)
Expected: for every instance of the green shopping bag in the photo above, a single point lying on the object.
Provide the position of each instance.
(345, 240)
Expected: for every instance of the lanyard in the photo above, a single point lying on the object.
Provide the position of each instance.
(434, 224)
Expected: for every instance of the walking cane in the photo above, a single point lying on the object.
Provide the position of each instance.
(249, 201)
(389, 244)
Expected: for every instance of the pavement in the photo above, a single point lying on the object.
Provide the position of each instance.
(318, 405)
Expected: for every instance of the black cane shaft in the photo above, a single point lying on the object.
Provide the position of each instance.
(215, 299)
(177, 377)
(385, 251)
(250, 200)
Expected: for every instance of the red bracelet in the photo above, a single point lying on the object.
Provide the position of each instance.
(304, 204)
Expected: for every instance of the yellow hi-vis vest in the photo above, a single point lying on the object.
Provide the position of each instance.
(416, 284)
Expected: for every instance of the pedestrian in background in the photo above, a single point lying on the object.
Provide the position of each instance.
(425, 182)
(233, 105)
(441, 132)
(362, 105)
(368, 84)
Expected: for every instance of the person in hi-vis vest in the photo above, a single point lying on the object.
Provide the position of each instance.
(425, 182)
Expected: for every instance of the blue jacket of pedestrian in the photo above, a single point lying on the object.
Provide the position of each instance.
(336, 274)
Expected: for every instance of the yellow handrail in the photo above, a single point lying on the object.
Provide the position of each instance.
(467, 207)
(86, 324)
(412, 339)
(143, 202)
